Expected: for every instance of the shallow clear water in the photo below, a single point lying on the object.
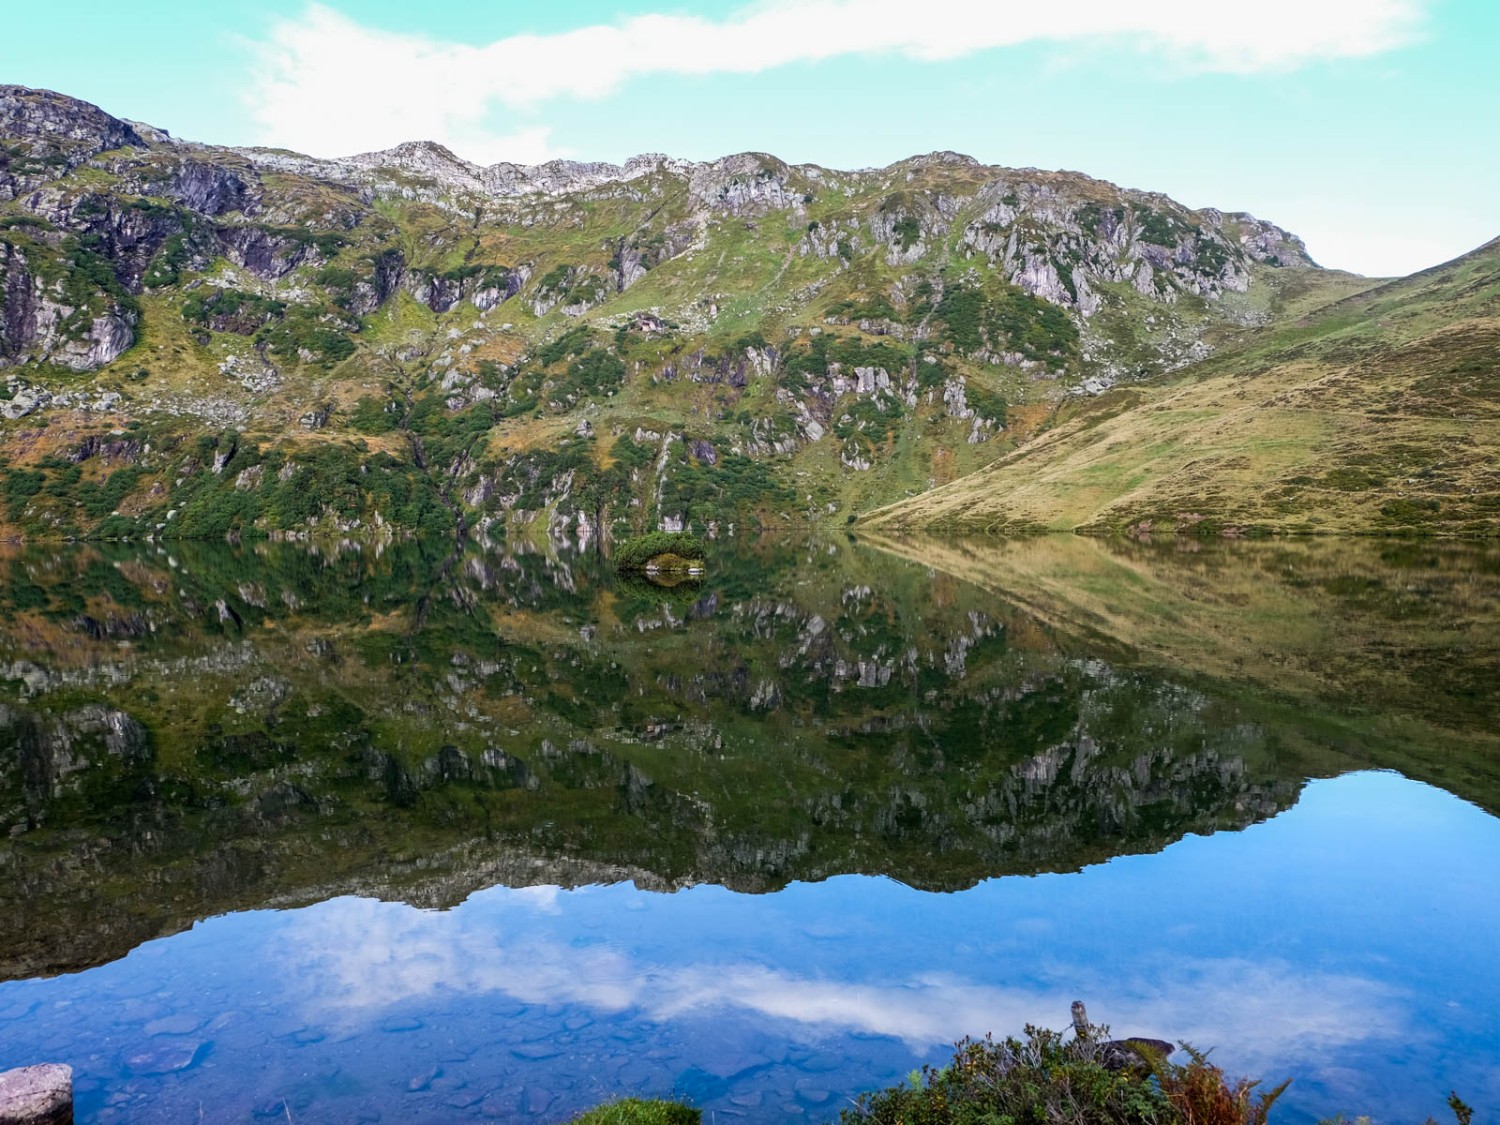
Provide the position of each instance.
(1338, 931)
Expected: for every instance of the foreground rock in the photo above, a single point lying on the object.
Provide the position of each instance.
(37, 1095)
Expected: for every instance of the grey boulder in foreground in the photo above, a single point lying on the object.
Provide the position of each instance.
(37, 1095)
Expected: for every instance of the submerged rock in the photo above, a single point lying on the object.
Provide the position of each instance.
(166, 1059)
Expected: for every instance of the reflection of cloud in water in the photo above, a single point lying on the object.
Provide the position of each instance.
(1264, 1011)
(355, 956)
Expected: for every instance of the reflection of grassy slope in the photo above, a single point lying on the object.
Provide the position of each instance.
(1378, 413)
(1391, 650)
(812, 713)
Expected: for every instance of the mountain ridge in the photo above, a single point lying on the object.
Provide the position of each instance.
(409, 154)
(682, 343)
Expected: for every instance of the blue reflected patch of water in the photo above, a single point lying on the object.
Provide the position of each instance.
(1347, 943)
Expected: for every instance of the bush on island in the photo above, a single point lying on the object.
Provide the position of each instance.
(660, 550)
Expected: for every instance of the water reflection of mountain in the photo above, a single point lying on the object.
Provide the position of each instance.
(1388, 649)
(209, 728)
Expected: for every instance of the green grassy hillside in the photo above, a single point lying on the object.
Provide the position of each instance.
(1378, 413)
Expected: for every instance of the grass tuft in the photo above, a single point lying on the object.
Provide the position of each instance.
(636, 1111)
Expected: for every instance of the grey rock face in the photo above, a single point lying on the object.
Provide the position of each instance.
(39, 318)
(43, 753)
(37, 1095)
(438, 293)
(426, 158)
(485, 289)
(267, 254)
(56, 135)
(750, 183)
(62, 122)
(734, 369)
(17, 302)
(909, 226)
(1060, 242)
(210, 189)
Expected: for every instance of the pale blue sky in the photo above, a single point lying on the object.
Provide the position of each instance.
(1369, 127)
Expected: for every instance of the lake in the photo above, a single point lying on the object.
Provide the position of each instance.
(346, 833)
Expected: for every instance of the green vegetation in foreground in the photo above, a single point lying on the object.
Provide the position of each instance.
(660, 550)
(1042, 1080)
(635, 1111)
(1039, 1079)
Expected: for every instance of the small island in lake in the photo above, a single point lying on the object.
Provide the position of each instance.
(661, 552)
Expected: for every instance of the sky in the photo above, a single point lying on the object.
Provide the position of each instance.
(1371, 128)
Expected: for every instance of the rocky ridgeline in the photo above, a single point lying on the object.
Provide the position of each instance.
(75, 250)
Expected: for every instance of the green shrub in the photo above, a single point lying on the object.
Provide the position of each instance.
(374, 416)
(101, 498)
(634, 1111)
(804, 363)
(21, 485)
(634, 554)
(874, 419)
(876, 307)
(1157, 228)
(231, 310)
(596, 371)
(336, 277)
(1091, 216)
(732, 489)
(307, 331)
(574, 341)
(1042, 1080)
(1006, 320)
(985, 403)
(166, 269)
(555, 280)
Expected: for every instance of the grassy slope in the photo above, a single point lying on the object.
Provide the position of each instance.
(1376, 413)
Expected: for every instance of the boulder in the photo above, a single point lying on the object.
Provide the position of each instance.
(37, 1095)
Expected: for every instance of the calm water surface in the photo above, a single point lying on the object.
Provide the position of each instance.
(401, 837)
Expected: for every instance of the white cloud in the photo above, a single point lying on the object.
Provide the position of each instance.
(327, 85)
(354, 958)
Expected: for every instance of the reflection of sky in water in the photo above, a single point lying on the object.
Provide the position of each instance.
(1349, 942)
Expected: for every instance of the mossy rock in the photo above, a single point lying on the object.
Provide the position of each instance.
(672, 563)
